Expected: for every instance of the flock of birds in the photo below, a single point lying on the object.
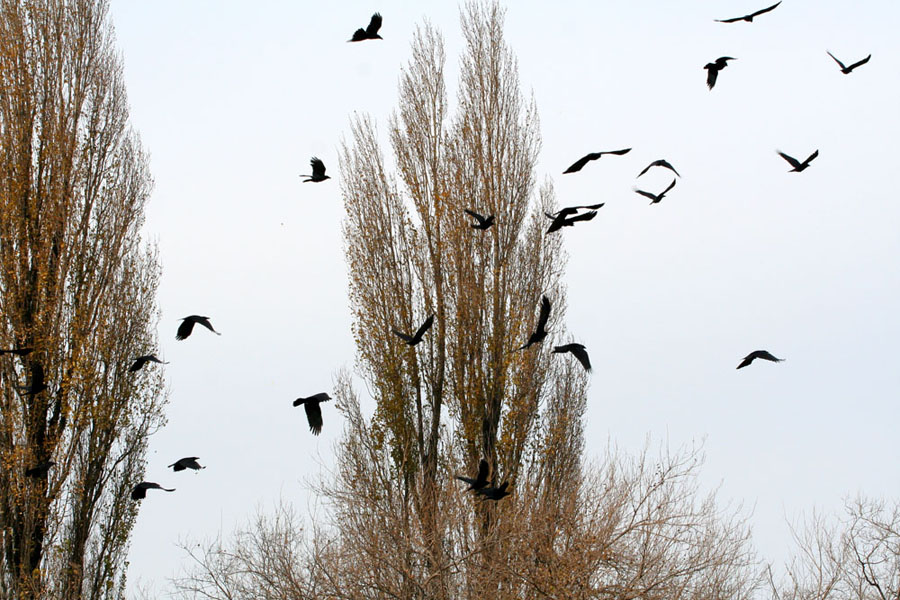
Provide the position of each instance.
(565, 217)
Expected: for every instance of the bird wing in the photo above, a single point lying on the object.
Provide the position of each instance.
(856, 64)
(578, 164)
(764, 10)
(468, 480)
(138, 363)
(653, 197)
(581, 354)
(836, 60)
(811, 157)
(582, 217)
(545, 314)
(358, 35)
(318, 168)
(664, 163)
(139, 492)
(185, 329)
(733, 20)
(766, 355)
(403, 336)
(746, 361)
(374, 25)
(591, 206)
(320, 397)
(647, 168)
(671, 185)
(425, 327)
(617, 152)
(558, 222)
(205, 322)
(474, 214)
(712, 72)
(484, 470)
(314, 416)
(793, 161)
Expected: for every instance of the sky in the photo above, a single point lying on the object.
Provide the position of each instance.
(231, 100)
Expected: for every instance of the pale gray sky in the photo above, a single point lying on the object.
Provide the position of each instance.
(233, 98)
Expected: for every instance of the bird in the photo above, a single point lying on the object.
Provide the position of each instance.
(749, 18)
(313, 412)
(187, 326)
(655, 198)
(579, 164)
(480, 480)
(763, 354)
(494, 493)
(370, 32)
(562, 219)
(140, 490)
(713, 69)
(482, 223)
(412, 340)
(847, 70)
(659, 163)
(798, 166)
(140, 361)
(540, 331)
(39, 470)
(579, 351)
(189, 462)
(318, 171)
(17, 351)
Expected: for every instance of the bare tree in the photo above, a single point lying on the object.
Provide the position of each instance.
(78, 287)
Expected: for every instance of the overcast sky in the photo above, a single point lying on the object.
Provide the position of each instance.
(233, 98)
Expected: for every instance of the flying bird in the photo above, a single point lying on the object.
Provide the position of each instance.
(798, 166)
(189, 462)
(412, 340)
(313, 412)
(713, 69)
(140, 361)
(370, 32)
(39, 470)
(494, 493)
(187, 326)
(655, 198)
(847, 70)
(577, 350)
(659, 163)
(140, 490)
(480, 480)
(540, 331)
(763, 354)
(749, 18)
(562, 219)
(318, 171)
(17, 351)
(482, 223)
(579, 164)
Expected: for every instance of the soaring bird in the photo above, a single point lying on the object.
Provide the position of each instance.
(579, 351)
(748, 18)
(39, 470)
(189, 462)
(140, 490)
(481, 479)
(847, 70)
(494, 493)
(481, 222)
(412, 340)
(17, 351)
(318, 170)
(187, 326)
(140, 361)
(798, 166)
(763, 354)
(659, 163)
(713, 69)
(313, 412)
(370, 32)
(540, 331)
(579, 164)
(654, 198)
(562, 219)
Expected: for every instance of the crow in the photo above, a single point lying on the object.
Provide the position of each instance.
(313, 412)
(189, 462)
(482, 223)
(655, 198)
(798, 166)
(370, 32)
(18, 351)
(318, 171)
(140, 490)
(494, 493)
(847, 70)
(579, 351)
(480, 480)
(540, 331)
(713, 69)
(140, 361)
(39, 470)
(187, 326)
(562, 219)
(748, 18)
(659, 163)
(579, 164)
(763, 354)
(412, 340)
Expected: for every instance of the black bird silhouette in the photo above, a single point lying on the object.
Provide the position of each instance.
(189, 462)
(494, 493)
(140, 490)
(763, 354)
(370, 32)
(579, 351)
(313, 412)
(798, 166)
(540, 331)
(579, 164)
(39, 470)
(140, 361)
(482, 222)
(318, 171)
(37, 381)
(847, 70)
(17, 351)
(654, 198)
(412, 340)
(748, 18)
(713, 68)
(562, 219)
(659, 163)
(480, 480)
(187, 326)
